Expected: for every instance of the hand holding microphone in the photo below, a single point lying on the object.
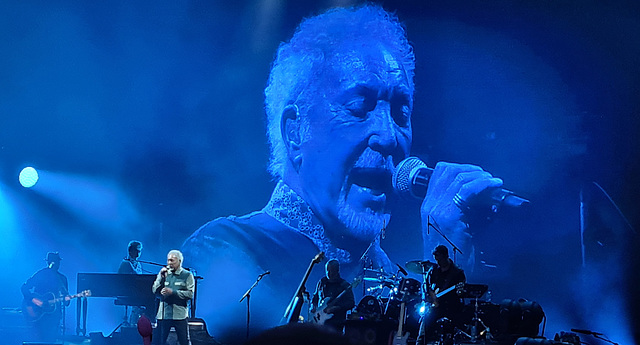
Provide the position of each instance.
(471, 190)
(412, 177)
(454, 196)
(164, 271)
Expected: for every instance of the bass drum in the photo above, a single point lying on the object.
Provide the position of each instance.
(408, 290)
(369, 308)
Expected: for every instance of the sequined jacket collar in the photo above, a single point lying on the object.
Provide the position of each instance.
(289, 208)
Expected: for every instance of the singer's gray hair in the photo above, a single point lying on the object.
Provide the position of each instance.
(177, 254)
(314, 46)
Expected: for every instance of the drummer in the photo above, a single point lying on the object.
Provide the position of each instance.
(444, 275)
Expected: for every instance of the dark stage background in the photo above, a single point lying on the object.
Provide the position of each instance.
(145, 120)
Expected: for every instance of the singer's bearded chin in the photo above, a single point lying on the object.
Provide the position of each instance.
(362, 225)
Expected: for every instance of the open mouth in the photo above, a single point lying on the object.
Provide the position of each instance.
(376, 181)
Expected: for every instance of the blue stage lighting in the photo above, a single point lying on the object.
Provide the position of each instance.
(422, 309)
(28, 177)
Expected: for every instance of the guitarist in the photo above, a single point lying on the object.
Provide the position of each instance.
(444, 275)
(45, 285)
(326, 300)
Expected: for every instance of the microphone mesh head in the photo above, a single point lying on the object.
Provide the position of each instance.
(403, 175)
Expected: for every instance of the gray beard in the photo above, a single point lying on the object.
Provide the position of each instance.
(364, 226)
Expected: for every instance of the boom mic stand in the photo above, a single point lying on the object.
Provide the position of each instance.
(247, 295)
(436, 227)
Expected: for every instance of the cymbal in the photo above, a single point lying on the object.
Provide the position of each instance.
(418, 266)
(382, 280)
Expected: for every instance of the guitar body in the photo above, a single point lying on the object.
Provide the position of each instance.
(398, 337)
(40, 305)
(321, 316)
(399, 340)
(35, 308)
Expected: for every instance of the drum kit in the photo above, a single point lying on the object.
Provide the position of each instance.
(390, 293)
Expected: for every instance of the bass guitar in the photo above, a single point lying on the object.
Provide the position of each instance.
(320, 316)
(39, 305)
(292, 313)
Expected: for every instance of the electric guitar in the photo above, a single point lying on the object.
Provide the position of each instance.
(320, 316)
(400, 338)
(36, 307)
(435, 295)
(292, 313)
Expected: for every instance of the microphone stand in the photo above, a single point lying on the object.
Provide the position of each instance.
(363, 258)
(594, 334)
(196, 277)
(151, 263)
(247, 295)
(436, 227)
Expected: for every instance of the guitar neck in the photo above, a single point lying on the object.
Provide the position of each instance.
(303, 283)
(67, 298)
(401, 321)
(348, 288)
(293, 310)
(446, 291)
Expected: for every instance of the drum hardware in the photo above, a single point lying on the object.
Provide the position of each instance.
(477, 328)
(382, 280)
(408, 290)
(473, 291)
(445, 331)
(419, 267)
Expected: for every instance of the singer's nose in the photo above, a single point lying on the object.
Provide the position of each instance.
(384, 138)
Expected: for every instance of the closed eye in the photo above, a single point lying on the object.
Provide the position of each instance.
(401, 109)
(361, 104)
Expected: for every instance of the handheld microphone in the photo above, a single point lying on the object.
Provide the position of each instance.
(165, 270)
(411, 179)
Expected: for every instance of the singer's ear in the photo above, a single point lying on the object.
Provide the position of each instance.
(290, 130)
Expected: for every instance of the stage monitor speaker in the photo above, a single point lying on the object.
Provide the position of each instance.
(369, 332)
(129, 336)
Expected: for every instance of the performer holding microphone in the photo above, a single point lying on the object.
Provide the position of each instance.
(175, 287)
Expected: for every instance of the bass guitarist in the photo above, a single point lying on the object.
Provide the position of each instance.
(333, 298)
(443, 277)
(44, 286)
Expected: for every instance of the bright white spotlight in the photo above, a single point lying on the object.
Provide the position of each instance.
(422, 309)
(28, 177)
